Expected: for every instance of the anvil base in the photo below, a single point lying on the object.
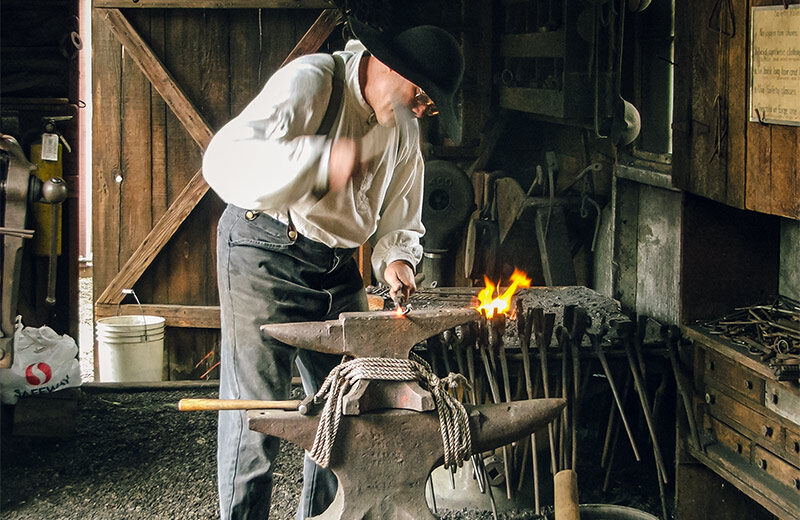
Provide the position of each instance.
(382, 459)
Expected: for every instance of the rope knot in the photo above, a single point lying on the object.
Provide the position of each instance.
(453, 419)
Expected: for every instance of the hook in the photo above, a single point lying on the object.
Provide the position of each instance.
(760, 117)
(720, 11)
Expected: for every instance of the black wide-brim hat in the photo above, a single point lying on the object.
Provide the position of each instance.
(425, 55)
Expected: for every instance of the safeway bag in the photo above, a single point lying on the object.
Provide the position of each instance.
(44, 362)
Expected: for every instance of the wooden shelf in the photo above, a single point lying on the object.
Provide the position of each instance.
(546, 44)
(766, 491)
(749, 434)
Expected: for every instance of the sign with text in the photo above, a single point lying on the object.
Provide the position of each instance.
(775, 65)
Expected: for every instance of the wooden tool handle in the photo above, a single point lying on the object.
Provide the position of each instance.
(194, 405)
(566, 495)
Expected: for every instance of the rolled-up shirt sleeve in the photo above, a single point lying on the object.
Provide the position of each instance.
(400, 226)
(268, 156)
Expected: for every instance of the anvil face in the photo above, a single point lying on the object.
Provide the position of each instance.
(370, 334)
(382, 459)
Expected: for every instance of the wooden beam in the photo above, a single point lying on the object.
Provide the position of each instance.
(155, 241)
(194, 191)
(160, 77)
(211, 4)
(186, 316)
(316, 35)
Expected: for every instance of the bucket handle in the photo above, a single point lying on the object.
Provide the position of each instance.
(141, 310)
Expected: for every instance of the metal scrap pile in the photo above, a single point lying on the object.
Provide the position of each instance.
(772, 332)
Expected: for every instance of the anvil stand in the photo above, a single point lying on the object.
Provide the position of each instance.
(382, 459)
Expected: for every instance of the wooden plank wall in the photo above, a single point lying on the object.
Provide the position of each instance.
(144, 157)
(750, 165)
(773, 164)
(710, 83)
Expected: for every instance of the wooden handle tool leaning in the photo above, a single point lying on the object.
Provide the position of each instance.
(566, 495)
(194, 405)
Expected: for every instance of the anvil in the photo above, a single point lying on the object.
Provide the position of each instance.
(369, 334)
(374, 334)
(382, 459)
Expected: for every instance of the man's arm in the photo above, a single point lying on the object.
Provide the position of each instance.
(269, 155)
(397, 248)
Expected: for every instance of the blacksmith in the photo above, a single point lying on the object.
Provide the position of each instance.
(325, 158)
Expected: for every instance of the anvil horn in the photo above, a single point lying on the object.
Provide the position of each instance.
(497, 425)
(355, 333)
(492, 425)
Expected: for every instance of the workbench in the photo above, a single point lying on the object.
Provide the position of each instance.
(749, 428)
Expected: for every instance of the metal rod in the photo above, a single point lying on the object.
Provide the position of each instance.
(563, 341)
(601, 355)
(576, 381)
(672, 336)
(645, 408)
(507, 461)
(607, 477)
(470, 339)
(495, 337)
(609, 428)
(577, 328)
(615, 436)
(641, 331)
(542, 331)
(17, 232)
(525, 326)
(433, 494)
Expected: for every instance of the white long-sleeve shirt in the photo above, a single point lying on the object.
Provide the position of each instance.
(269, 158)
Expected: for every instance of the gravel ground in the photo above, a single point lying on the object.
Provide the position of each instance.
(132, 455)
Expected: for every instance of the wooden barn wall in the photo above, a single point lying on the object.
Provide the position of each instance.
(143, 157)
(718, 152)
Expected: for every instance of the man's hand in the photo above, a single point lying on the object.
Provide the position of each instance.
(400, 277)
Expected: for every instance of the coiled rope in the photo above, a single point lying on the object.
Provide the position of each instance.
(453, 419)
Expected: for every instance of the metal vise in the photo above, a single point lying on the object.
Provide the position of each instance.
(20, 189)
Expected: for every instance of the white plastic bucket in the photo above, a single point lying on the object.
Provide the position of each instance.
(130, 348)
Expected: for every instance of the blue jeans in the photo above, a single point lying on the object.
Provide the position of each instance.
(265, 276)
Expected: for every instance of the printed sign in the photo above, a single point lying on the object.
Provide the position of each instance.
(775, 65)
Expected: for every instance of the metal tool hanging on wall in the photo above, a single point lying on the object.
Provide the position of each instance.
(46, 210)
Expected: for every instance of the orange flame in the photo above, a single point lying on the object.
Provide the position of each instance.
(490, 304)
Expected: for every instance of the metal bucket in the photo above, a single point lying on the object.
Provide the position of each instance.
(612, 512)
(130, 348)
(462, 492)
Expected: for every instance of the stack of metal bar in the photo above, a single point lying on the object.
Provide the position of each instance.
(771, 332)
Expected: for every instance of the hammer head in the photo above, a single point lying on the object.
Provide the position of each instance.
(369, 334)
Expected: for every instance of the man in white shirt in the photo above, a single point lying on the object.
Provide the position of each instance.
(317, 164)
